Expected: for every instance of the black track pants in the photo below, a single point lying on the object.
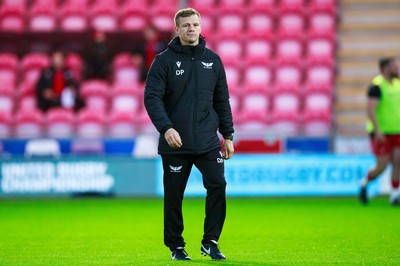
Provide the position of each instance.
(176, 173)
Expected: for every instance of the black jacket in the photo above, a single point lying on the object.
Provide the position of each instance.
(186, 89)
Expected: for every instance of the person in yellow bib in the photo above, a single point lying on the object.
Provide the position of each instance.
(383, 126)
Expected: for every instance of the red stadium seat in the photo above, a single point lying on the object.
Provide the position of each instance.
(255, 107)
(231, 6)
(27, 102)
(285, 114)
(29, 123)
(319, 78)
(230, 25)
(328, 6)
(73, 16)
(320, 51)
(32, 65)
(7, 78)
(5, 124)
(264, 6)
(169, 6)
(12, 17)
(291, 25)
(288, 79)
(146, 127)
(136, 6)
(122, 124)
(254, 114)
(207, 26)
(204, 7)
(125, 97)
(258, 51)
(317, 102)
(140, 90)
(163, 22)
(7, 94)
(26, 96)
(233, 76)
(9, 61)
(21, 3)
(104, 16)
(82, 3)
(42, 16)
(124, 69)
(133, 15)
(322, 25)
(289, 51)
(162, 14)
(291, 6)
(257, 79)
(8, 70)
(259, 25)
(60, 123)
(36, 3)
(320, 127)
(317, 115)
(95, 93)
(91, 123)
(230, 51)
(235, 106)
(286, 104)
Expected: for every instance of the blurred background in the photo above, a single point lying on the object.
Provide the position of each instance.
(297, 70)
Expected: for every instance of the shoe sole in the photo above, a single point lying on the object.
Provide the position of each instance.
(206, 254)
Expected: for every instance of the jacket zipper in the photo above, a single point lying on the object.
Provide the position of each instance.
(194, 105)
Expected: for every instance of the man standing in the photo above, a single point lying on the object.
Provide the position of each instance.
(187, 99)
(384, 126)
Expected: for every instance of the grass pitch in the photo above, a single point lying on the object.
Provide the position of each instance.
(258, 231)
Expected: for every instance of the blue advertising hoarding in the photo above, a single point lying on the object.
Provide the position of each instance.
(118, 176)
(288, 175)
(247, 175)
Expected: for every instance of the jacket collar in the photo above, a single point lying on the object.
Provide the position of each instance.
(176, 45)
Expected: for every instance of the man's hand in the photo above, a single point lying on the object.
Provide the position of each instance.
(173, 139)
(228, 148)
(48, 94)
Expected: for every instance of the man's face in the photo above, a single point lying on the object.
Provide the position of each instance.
(188, 30)
(58, 60)
(393, 69)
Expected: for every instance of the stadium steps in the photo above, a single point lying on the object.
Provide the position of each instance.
(368, 30)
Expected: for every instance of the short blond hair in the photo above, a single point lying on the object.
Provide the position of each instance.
(185, 12)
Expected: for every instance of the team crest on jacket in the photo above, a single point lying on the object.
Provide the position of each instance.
(207, 65)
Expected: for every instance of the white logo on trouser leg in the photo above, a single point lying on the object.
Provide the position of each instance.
(175, 169)
(220, 160)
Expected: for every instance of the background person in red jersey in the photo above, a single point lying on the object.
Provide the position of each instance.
(56, 86)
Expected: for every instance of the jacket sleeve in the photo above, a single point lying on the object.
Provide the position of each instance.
(69, 79)
(156, 83)
(222, 105)
(41, 85)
